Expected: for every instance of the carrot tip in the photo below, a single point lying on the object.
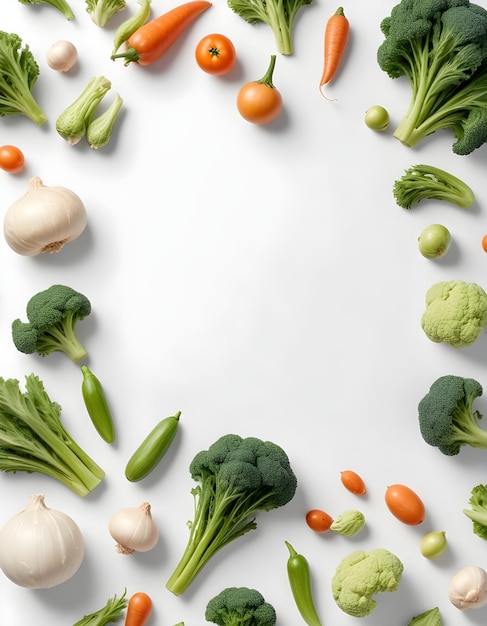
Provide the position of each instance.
(325, 96)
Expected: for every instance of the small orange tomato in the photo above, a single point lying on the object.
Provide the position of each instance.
(353, 482)
(11, 159)
(484, 243)
(215, 54)
(319, 521)
(405, 504)
(259, 101)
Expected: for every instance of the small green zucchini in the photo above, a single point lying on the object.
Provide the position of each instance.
(150, 452)
(97, 405)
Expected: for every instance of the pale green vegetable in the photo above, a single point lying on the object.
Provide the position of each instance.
(128, 28)
(99, 131)
(427, 618)
(349, 523)
(111, 612)
(377, 118)
(73, 122)
(101, 11)
(434, 544)
(434, 241)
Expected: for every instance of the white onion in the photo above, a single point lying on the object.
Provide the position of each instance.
(61, 55)
(468, 588)
(134, 529)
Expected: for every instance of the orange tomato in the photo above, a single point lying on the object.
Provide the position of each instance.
(11, 159)
(405, 504)
(353, 482)
(318, 520)
(484, 243)
(215, 54)
(259, 101)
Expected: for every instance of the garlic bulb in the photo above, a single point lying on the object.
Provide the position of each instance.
(468, 588)
(44, 219)
(40, 547)
(61, 56)
(134, 530)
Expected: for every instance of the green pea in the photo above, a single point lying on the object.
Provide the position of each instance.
(150, 452)
(433, 544)
(97, 405)
(300, 580)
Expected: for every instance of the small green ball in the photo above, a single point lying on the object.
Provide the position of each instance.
(433, 544)
(377, 118)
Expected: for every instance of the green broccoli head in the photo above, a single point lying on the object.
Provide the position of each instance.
(456, 313)
(240, 606)
(446, 416)
(361, 575)
(53, 315)
(238, 478)
(439, 46)
(478, 510)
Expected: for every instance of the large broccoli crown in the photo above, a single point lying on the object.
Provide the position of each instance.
(440, 46)
(361, 575)
(456, 313)
(240, 606)
(446, 416)
(248, 464)
(53, 315)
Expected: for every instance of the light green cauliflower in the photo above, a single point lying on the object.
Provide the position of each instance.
(349, 523)
(361, 575)
(456, 313)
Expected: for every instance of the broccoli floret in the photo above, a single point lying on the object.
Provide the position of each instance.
(101, 11)
(53, 315)
(60, 5)
(439, 46)
(446, 416)
(361, 575)
(426, 182)
(279, 15)
(478, 510)
(240, 606)
(238, 477)
(19, 72)
(33, 439)
(456, 313)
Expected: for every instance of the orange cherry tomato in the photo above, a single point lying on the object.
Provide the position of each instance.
(405, 504)
(484, 243)
(259, 101)
(215, 54)
(353, 482)
(319, 521)
(11, 159)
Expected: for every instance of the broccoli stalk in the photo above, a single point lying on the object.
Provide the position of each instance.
(18, 74)
(33, 439)
(478, 510)
(238, 477)
(426, 182)
(240, 606)
(101, 11)
(438, 45)
(446, 416)
(279, 15)
(53, 315)
(60, 5)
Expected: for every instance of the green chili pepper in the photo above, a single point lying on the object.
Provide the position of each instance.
(300, 579)
(128, 28)
(97, 405)
(152, 449)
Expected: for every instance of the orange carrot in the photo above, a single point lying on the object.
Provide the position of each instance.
(336, 39)
(139, 608)
(154, 38)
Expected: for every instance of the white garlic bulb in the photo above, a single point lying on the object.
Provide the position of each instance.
(468, 588)
(134, 530)
(44, 219)
(40, 547)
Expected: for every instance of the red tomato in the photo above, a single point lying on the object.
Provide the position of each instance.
(215, 54)
(319, 521)
(11, 159)
(405, 504)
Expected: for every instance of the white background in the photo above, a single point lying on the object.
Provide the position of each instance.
(261, 280)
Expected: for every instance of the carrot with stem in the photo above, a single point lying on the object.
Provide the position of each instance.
(139, 608)
(149, 42)
(337, 31)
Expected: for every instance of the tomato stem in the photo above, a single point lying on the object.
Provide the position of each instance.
(267, 78)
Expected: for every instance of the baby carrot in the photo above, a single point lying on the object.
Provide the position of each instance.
(149, 42)
(353, 482)
(336, 38)
(138, 609)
